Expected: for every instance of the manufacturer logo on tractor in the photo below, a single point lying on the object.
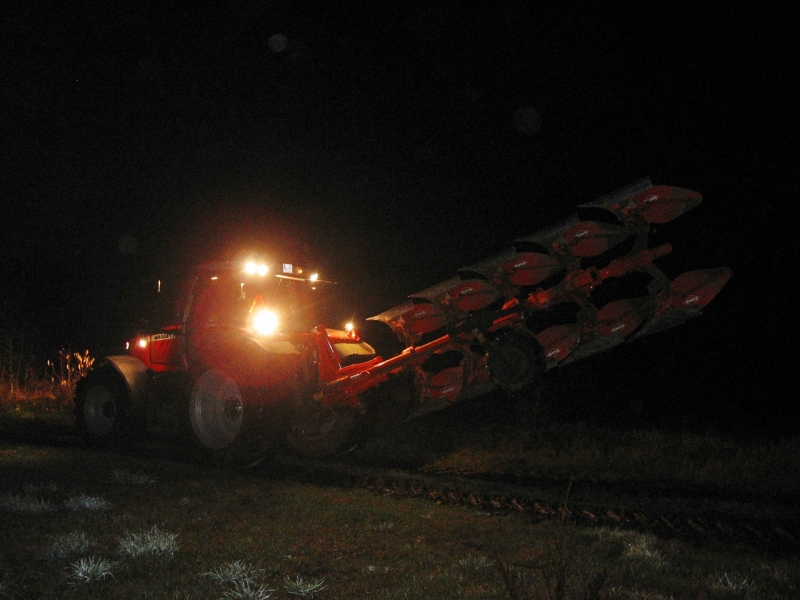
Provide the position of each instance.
(618, 327)
(694, 298)
(650, 199)
(162, 336)
(553, 353)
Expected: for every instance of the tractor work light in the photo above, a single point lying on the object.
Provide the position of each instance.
(253, 268)
(265, 322)
(352, 334)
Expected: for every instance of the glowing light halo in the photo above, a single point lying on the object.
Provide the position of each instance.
(265, 321)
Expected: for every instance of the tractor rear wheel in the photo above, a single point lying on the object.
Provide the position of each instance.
(388, 405)
(103, 408)
(322, 432)
(224, 421)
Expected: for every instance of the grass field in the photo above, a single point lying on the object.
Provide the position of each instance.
(83, 523)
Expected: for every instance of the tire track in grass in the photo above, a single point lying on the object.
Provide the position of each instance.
(772, 525)
(771, 522)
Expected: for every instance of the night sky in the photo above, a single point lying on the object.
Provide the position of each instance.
(390, 144)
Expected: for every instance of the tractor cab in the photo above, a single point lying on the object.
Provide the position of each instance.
(260, 300)
(251, 298)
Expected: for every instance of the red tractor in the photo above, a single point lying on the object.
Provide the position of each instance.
(245, 367)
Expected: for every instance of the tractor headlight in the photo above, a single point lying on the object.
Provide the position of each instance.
(265, 321)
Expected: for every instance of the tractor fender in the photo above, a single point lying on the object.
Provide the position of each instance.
(136, 376)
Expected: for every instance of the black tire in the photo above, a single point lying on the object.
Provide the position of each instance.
(103, 409)
(228, 423)
(516, 362)
(322, 432)
(318, 432)
(388, 405)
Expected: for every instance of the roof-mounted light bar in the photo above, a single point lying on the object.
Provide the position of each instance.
(252, 267)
